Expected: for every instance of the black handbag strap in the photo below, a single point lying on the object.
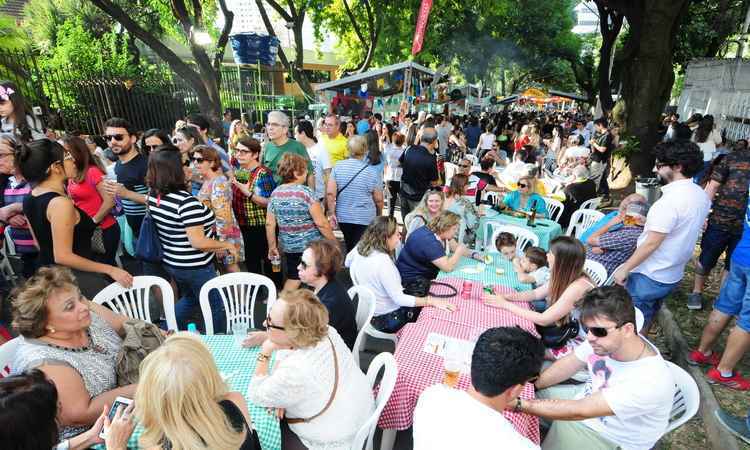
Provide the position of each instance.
(451, 289)
(351, 179)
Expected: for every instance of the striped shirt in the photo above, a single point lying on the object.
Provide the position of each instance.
(290, 204)
(15, 192)
(355, 203)
(174, 212)
(132, 175)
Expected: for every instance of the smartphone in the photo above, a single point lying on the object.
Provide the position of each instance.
(119, 401)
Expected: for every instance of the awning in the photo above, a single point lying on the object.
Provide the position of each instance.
(380, 82)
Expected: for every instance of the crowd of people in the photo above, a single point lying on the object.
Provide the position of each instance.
(268, 199)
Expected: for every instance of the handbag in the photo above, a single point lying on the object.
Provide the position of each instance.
(333, 393)
(148, 248)
(141, 338)
(420, 287)
(555, 336)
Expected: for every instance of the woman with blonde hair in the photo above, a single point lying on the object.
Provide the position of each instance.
(423, 255)
(525, 197)
(183, 403)
(315, 382)
(372, 264)
(427, 209)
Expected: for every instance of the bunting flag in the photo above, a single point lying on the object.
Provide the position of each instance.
(424, 14)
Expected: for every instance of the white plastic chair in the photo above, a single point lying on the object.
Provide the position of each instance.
(450, 170)
(238, 292)
(590, 204)
(639, 319)
(611, 280)
(365, 311)
(554, 208)
(363, 438)
(523, 236)
(596, 271)
(581, 220)
(7, 353)
(134, 301)
(686, 399)
(369, 329)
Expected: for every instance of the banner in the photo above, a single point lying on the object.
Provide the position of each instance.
(424, 14)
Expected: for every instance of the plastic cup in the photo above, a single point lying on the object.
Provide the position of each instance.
(276, 264)
(451, 364)
(239, 330)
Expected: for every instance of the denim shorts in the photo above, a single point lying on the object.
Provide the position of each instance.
(648, 295)
(716, 241)
(734, 298)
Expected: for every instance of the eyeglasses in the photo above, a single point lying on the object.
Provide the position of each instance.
(197, 160)
(268, 324)
(117, 137)
(660, 165)
(244, 151)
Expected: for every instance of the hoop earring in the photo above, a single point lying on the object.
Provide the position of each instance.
(51, 330)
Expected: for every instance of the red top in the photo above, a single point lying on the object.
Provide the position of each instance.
(86, 197)
(524, 140)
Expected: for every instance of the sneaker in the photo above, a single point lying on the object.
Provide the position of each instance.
(735, 425)
(696, 358)
(695, 301)
(734, 382)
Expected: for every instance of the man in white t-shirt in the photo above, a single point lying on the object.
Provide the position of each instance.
(576, 149)
(671, 231)
(504, 360)
(626, 402)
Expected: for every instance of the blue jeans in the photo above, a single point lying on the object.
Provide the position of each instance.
(648, 295)
(734, 298)
(190, 282)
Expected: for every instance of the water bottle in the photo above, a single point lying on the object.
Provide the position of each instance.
(192, 328)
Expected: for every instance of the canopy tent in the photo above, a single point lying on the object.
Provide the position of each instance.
(381, 82)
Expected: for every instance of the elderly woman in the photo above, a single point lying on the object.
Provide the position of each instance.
(525, 198)
(299, 217)
(216, 194)
(372, 264)
(73, 341)
(315, 382)
(456, 201)
(354, 193)
(427, 209)
(202, 413)
(423, 255)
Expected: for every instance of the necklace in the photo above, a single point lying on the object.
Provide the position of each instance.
(90, 346)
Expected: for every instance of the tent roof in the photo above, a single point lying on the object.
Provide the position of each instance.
(353, 82)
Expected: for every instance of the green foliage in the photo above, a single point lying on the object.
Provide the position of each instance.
(11, 38)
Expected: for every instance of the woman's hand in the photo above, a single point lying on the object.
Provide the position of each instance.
(334, 222)
(438, 303)
(496, 301)
(255, 339)
(120, 276)
(91, 436)
(269, 347)
(119, 431)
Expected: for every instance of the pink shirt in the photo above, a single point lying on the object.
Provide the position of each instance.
(86, 197)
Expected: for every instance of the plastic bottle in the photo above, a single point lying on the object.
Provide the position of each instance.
(532, 217)
(192, 328)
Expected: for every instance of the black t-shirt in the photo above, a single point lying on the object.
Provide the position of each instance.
(419, 171)
(575, 195)
(340, 311)
(606, 141)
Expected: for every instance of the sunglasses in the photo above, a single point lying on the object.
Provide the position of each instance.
(523, 185)
(176, 140)
(660, 165)
(116, 137)
(198, 160)
(600, 332)
(464, 166)
(268, 324)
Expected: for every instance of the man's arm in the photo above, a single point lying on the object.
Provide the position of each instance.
(586, 408)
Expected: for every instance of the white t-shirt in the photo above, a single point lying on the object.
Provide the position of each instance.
(450, 419)
(392, 154)
(541, 275)
(486, 140)
(709, 147)
(320, 162)
(639, 392)
(680, 213)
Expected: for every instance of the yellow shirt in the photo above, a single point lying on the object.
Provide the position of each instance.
(336, 148)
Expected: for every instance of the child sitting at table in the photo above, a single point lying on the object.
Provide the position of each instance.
(532, 266)
(505, 243)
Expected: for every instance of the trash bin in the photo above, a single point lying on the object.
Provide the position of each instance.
(649, 188)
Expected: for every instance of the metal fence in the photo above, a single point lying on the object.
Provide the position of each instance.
(71, 100)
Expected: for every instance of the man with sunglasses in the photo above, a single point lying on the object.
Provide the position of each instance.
(671, 231)
(627, 401)
(503, 361)
(130, 167)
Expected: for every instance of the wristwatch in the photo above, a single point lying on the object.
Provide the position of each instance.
(263, 357)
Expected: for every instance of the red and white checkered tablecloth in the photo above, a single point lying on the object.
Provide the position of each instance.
(418, 369)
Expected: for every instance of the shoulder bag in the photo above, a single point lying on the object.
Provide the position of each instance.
(333, 393)
(339, 191)
(148, 247)
(555, 336)
(141, 338)
(420, 287)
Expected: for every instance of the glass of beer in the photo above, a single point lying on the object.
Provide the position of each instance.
(276, 264)
(451, 364)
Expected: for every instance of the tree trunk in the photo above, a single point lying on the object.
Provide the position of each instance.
(648, 77)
